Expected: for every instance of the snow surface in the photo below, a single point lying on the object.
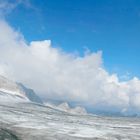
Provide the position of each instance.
(29, 121)
(66, 108)
(10, 88)
(24, 120)
(13, 93)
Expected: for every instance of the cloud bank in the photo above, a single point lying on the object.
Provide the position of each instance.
(58, 75)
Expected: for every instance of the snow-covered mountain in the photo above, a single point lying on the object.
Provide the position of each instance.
(25, 120)
(30, 93)
(64, 107)
(9, 90)
(78, 110)
(12, 91)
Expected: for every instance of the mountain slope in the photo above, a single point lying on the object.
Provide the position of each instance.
(32, 96)
(66, 108)
(9, 90)
(12, 91)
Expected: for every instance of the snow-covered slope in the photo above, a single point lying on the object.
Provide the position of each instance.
(79, 110)
(66, 108)
(29, 121)
(12, 91)
(9, 90)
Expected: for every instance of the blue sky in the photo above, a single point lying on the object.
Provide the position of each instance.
(112, 26)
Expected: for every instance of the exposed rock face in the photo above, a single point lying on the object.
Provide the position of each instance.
(32, 96)
(79, 110)
(12, 91)
(10, 88)
(66, 108)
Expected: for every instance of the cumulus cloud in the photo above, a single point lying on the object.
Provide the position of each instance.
(56, 74)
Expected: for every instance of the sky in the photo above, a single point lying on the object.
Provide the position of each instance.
(77, 51)
(108, 25)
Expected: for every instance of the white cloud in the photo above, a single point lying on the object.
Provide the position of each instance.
(6, 6)
(59, 75)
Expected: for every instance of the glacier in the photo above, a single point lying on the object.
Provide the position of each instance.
(32, 121)
(22, 119)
